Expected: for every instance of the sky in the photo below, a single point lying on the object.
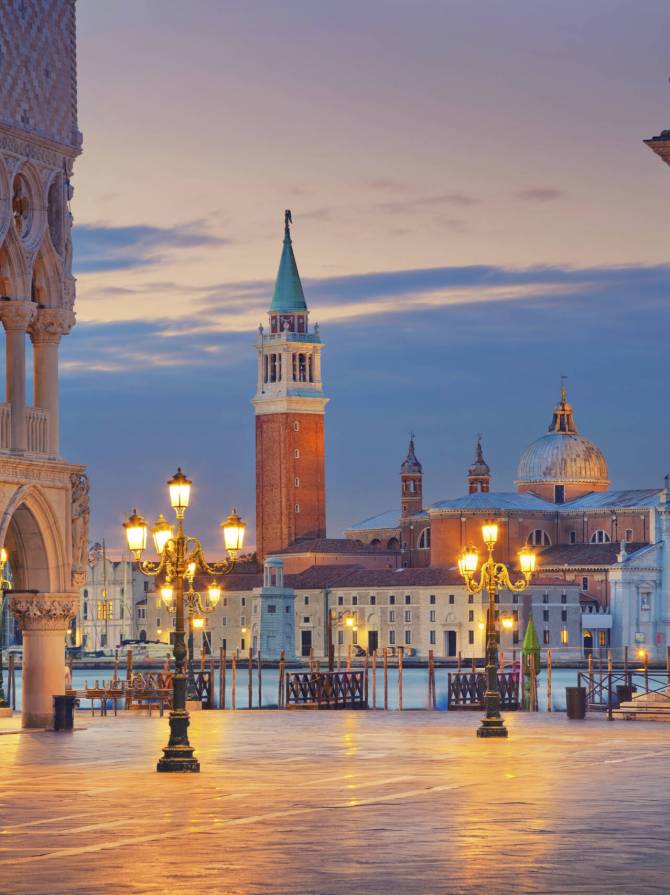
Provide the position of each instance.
(475, 215)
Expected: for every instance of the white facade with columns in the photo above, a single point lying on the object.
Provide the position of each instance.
(43, 498)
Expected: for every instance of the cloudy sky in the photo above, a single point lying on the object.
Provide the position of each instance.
(475, 215)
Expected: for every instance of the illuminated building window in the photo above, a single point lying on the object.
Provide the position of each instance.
(564, 635)
(602, 638)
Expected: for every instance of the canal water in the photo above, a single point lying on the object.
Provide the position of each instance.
(415, 686)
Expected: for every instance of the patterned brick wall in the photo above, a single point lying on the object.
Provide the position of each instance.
(38, 69)
(278, 522)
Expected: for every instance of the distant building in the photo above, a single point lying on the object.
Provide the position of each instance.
(108, 612)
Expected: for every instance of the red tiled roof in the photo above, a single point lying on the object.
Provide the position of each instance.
(332, 545)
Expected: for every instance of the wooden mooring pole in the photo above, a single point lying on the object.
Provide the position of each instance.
(374, 679)
(610, 717)
(259, 664)
(281, 695)
(250, 671)
(222, 677)
(386, 678)
(549, 679)
(349, 658)
(212, 679)
(400, 658)
(365, 676)
(233, 681)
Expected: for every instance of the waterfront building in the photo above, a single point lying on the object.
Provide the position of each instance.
(44, 498)
(111, 597)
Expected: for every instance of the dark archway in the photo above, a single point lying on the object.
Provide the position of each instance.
(27, 553)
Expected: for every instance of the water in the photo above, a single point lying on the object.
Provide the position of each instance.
(415, 686)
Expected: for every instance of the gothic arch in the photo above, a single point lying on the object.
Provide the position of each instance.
(29, 529)
(14, 274)
(46, 287)
(37, 204)
(5, 199)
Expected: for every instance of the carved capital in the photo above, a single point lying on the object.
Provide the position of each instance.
(43, 612)
(16, 315)
(49, 324)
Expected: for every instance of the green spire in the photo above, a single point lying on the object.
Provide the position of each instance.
(288, 294)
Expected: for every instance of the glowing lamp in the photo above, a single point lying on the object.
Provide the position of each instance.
(481, 626)
(3, 557)
(214, 593)
(349, 621)
(507, 622)
(180, 492)
(167, 595)
(490, 533)
(527, 561)
(191, 570)
(468, 561)
(162, 532)
(233, 533)
(198, 622)
(136, 533)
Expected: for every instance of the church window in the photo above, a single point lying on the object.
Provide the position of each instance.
(85, 610)
(628, 535)
(279, 368)
(424, 539)
(573, 537)
(296, 482)
(297, 508)
(539, 538)
(296, 426)
(559, 493)
(296, 454)
(600, 537)
(412, 486)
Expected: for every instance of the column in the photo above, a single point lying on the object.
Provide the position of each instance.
(44, 620)
(16, 315)
(46, 330)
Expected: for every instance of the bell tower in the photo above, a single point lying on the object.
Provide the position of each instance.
(411, 483)
(290, 407)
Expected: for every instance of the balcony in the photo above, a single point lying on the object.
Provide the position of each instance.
(37, 426)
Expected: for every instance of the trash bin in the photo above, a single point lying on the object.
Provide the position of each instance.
(624, 693)
(64, 712)
(575, 703)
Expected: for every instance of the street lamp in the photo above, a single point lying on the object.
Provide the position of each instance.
(493, 576)
(180, 557)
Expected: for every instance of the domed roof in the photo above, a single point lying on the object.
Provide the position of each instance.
(563, 456)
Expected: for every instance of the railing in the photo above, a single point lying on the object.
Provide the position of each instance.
(326, 690)
(602, 688)
(37, 424)
(466, 690)
(37, 429)
(5, 426)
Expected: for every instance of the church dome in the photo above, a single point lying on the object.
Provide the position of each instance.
(563, 456)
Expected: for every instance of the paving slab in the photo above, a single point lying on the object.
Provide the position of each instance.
(324, 803)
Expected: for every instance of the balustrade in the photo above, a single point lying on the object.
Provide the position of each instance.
(37, 426)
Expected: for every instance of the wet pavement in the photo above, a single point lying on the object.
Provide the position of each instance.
(337, 802)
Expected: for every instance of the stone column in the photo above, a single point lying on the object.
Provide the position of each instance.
(46, 329)
(16, 315)
(44, 620)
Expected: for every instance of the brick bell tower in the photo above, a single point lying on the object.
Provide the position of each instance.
(290, 407)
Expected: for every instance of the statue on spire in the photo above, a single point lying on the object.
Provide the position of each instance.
(288, 220)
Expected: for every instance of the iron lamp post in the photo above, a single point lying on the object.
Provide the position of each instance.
(493, 576)
(180, 557)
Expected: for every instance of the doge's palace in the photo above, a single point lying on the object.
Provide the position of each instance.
(43, 498)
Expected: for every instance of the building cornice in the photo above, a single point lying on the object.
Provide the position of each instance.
(268, 404)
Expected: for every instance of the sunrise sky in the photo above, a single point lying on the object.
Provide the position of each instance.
(475, 215)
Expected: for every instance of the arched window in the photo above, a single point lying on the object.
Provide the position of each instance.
(600, 537)
(375, 542)
(393, 544)
(539, 538)
(424, 539)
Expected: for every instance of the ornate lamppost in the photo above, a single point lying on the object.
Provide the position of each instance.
(349, 621)
(180, 557)
(493, 576)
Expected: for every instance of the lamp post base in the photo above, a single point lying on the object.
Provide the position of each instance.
(492, 727)
(178, 759)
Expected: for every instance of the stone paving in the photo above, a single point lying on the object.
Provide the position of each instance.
(339, 802)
